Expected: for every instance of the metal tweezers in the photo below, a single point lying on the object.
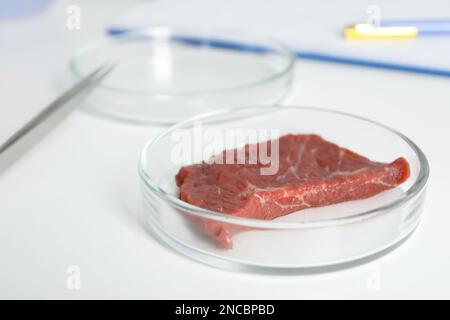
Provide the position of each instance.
(34, 130)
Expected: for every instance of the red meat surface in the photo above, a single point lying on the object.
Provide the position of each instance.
(312, 173)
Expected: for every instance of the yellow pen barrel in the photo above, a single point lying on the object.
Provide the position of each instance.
(367, 31)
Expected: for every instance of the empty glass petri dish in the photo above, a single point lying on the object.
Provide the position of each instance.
(167, 74)
(310, 240)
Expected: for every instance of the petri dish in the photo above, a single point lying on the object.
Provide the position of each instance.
(311, 240)
(166, 74)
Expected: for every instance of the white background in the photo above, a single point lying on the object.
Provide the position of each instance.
(74, 198)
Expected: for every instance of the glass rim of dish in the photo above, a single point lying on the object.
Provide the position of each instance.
(412, 191)
(166, 32)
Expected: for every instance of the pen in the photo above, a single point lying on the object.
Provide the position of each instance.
(398, 29)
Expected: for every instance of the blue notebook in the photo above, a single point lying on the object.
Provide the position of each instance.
(313, 29)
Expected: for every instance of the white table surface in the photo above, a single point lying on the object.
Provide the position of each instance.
(74, 198)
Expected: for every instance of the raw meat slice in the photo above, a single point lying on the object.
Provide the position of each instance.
(312, 173)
